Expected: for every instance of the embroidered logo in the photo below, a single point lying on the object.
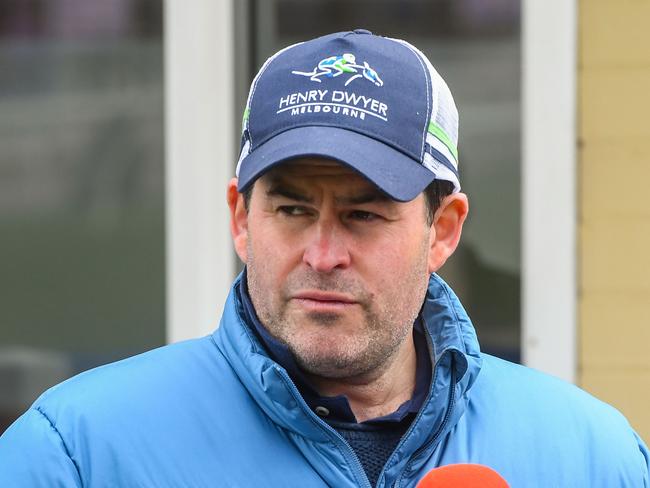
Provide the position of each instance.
(342, 64)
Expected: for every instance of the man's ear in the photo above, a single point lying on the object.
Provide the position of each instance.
(446, 229)
(238, 220)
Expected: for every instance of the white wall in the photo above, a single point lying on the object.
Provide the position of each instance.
(199, 133)
(549, 217)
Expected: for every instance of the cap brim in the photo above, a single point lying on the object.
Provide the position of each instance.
(394, 173)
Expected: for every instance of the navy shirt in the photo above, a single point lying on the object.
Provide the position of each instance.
(338, 407)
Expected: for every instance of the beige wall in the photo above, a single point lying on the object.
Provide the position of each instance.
(614, 205)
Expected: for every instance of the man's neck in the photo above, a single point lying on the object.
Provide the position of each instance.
(378, 393)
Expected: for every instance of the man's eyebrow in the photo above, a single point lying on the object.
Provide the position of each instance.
(282, 190)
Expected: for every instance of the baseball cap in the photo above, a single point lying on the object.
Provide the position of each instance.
(372, 103)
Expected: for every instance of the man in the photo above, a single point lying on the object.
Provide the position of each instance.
(341, 359)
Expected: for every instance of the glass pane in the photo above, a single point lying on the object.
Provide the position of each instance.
(81, 189)
(475, 45)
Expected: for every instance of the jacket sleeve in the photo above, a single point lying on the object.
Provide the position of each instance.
(33, 454)
(646, 461)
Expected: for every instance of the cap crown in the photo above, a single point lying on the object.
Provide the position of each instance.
(358, 82)
(379, 87)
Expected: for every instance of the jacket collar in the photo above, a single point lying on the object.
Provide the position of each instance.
(451, 330)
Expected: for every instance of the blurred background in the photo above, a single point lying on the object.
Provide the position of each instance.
(81, 189)
(87, 220)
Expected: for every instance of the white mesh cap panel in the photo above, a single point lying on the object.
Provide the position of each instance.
(443, 114)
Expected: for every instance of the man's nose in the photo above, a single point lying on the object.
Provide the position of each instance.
(326, 249)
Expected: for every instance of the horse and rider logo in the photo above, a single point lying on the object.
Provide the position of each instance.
(342, 64)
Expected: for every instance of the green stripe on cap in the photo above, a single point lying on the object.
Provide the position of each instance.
(438, 132)
(247, 112)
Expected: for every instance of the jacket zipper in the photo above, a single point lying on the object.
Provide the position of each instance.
(445, 420)
(356, 464)
(450, 406)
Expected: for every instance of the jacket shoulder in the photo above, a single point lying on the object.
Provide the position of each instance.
(556, 423)
(125, 420)
(527, 388)
(164, 371)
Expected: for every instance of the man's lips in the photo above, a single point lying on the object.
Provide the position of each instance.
(322, 300)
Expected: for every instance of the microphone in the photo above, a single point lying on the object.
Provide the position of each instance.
(462, 475)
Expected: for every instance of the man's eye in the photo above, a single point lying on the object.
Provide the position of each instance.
(363, 215)
(292, 210)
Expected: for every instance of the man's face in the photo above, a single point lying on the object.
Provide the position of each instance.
(336, 270)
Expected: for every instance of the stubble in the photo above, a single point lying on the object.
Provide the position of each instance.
(385, 321)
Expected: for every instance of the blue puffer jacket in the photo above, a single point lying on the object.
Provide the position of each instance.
(218, 412)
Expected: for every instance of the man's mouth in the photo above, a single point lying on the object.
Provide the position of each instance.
(323, 301)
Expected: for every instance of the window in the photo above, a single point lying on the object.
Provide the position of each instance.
(81, 191)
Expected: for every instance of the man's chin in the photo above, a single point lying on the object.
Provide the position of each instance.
(324, 318)
(328, 352)
(329, 332)
(333, 366)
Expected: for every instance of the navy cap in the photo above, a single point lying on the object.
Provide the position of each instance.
(372, 103)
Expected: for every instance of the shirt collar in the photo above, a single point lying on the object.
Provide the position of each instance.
(338, 407)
